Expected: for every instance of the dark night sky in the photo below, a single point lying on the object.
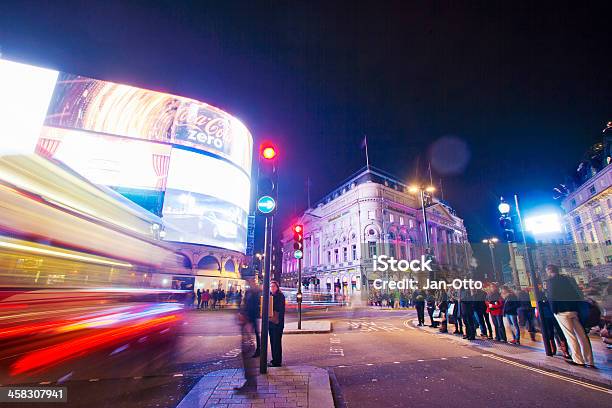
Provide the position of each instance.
(526, 87)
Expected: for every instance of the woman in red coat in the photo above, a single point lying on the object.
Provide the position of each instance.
(495, 307)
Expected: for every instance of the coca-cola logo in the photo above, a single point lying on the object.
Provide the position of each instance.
(202, 129)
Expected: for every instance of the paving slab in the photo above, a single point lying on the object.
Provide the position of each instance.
(281, 387)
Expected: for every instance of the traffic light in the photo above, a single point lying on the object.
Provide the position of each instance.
(267, 179)
(505, 222)
(298, 241)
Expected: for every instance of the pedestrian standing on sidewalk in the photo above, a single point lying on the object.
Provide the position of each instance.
(526, 313)
(199, 296)
(431, 306)
(553, 330)
(480, 309)
(419, 303)
(205, 298)
(467, 314)
(565, 297)
(277, 324)
(442, 304)
(511, 305)
(454, 315)
(495, 307)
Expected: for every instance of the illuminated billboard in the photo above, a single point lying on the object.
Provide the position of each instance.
(543, 224)
(106, 107)
(207, 201)
(128, 138)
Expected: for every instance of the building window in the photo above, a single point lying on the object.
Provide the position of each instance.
(328, 257)
(598, 210)
(401, 220)
(402, 252)
(390, 217)
(609, 202)
(592, 189)
(344, 254)
(392, 249)
(336, 255)
(577, 220)
(371, 249)
(371, 215)
(573, 203)
(592, 236)
(411, 223)
(354, 252)
(609, 258)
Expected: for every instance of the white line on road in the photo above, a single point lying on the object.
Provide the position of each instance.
(557, 376)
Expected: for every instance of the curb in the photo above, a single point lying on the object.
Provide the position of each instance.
(307, 330)
(607, 380)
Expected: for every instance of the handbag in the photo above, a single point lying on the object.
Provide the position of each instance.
(451, 309)
(437, 313)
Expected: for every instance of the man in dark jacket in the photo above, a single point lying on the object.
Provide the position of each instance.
(480, 310)
(277, 324)
(565, 297)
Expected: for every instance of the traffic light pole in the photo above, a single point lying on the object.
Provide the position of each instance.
(265, 304)
(534, 283)
(299, 294)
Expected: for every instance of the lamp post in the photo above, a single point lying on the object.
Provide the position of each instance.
(423, 190)
(491, 242)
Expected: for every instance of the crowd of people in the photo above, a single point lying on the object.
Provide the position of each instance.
(217, 299)
(498, 313)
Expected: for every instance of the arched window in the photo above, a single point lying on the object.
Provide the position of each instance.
(209, 263)
(229, 266)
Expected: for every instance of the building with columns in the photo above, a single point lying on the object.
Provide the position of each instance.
(372, 213)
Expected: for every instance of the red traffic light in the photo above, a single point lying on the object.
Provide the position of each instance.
(268, 151)
(297, 229)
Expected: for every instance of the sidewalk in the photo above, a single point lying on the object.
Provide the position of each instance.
(282, 387)
(532, 353)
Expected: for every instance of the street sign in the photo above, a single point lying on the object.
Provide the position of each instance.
(298, 254)
(266, 204)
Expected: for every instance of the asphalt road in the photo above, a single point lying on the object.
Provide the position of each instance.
(374, 357)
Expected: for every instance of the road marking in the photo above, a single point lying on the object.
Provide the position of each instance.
(335, 347)
(549, 374)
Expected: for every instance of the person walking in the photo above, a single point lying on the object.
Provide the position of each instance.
(277, 324)
(511, 305)
(495, 307)
(565, 297)
(419, 303)
(247, 319)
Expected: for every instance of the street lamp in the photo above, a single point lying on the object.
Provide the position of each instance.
(491, 242)
(421, 189)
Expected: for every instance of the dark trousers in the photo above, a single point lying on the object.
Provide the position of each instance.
(488, 323)
(248, 362)
(276, 343)
(205, 304)
(500, 329)
(479, 314)
(199, 303)
(528, 319)
(420, 308)
(470, 323)
(255, 328)
(430, 311)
